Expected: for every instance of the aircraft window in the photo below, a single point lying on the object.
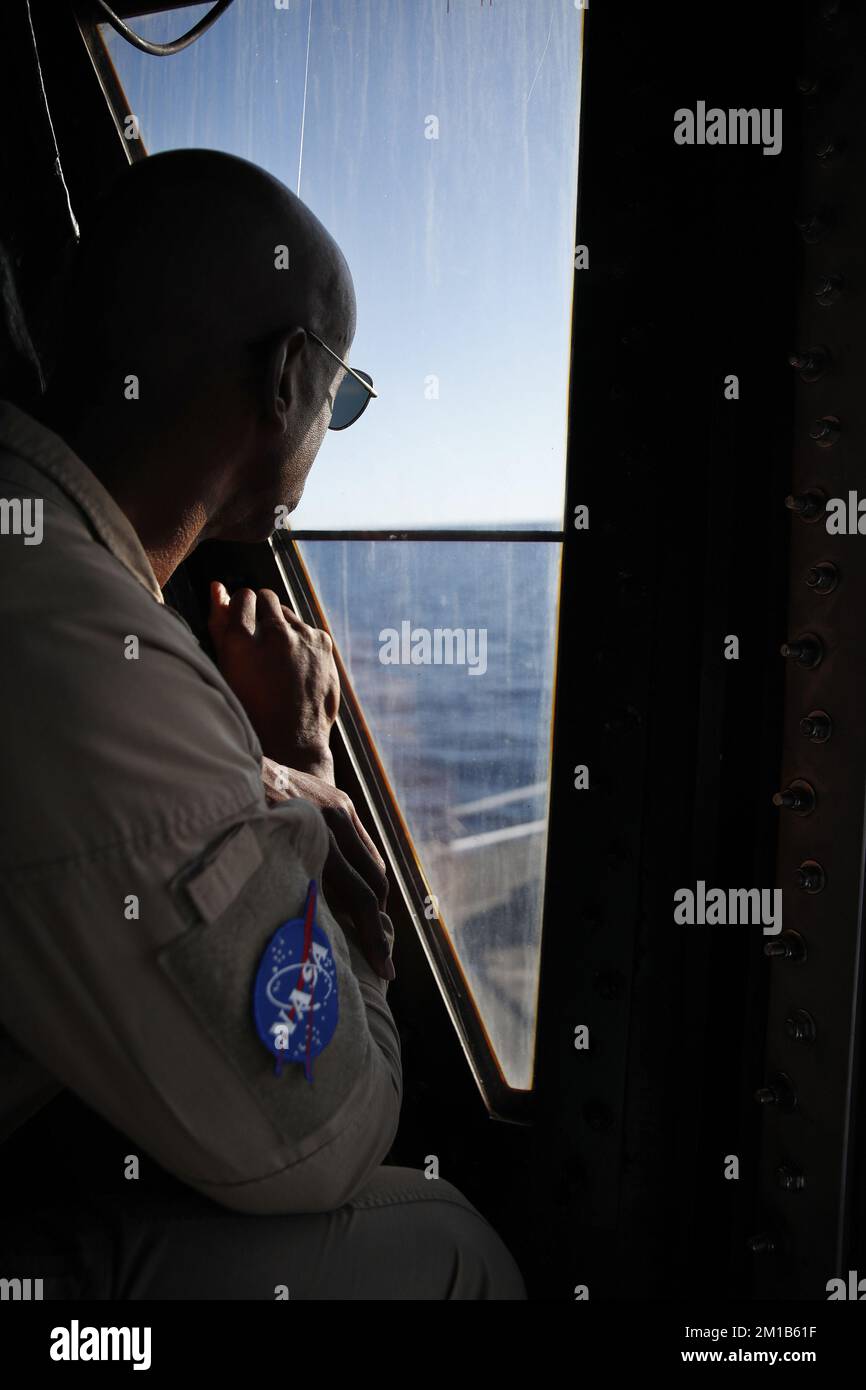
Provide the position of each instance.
(466, 747)
(438, 142)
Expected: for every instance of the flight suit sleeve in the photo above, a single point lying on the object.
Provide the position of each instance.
(149, 1017)
(144, 877)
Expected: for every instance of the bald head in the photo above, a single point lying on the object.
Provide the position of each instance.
(199, 277)
(195, 255)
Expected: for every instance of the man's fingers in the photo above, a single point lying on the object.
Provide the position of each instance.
(249, 609)
(291, 616)
(269, 610)
(242, 612)
(364, 863)
(219, 610)
(354, 850)
(318, 633)
(345, 891)
(365, 838)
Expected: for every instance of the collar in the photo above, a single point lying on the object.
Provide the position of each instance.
(45, 451)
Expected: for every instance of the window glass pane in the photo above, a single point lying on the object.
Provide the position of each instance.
(437, 140)
(466, 746)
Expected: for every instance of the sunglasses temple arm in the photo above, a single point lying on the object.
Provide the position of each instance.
(366, 385)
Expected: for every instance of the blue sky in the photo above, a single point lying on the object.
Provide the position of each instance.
(461, 248)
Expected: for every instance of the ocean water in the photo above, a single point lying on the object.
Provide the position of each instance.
(448, 737)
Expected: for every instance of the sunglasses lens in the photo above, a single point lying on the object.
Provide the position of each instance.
(350, 401)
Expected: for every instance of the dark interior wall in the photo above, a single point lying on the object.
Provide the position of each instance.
(58, 151)
(693, 260)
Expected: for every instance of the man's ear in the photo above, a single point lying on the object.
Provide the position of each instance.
(281, 382)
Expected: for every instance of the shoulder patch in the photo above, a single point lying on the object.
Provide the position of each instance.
(295, 992)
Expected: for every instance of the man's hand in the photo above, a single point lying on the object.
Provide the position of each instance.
(353, 878)
(357, 892)
(283, 673)
(283, 783)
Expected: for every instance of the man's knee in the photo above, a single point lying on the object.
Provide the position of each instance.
(472, 1261)
(442, 1246)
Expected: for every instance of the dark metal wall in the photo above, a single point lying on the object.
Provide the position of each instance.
(695, 257)
(810, 1162)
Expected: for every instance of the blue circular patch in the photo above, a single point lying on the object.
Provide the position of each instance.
(295, 992)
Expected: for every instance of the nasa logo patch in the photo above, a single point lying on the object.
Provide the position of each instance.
(295, 993)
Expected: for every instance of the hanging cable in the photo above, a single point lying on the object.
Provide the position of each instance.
(164, 50)
(304, 106)
(58, 167)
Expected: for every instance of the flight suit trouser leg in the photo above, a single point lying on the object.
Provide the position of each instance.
(404, 1237)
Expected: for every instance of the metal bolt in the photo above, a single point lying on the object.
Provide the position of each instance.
(812, 227)
(825, 431)
(608, 983)
(778, 1091)
(801, 1026)
(789, 946)
(811, 363)
(806, 650)
(823, 577)
(807, 505)
(762, 1244)
(790, 1179)
(827, 289)
(598, 1115)
(810, 876)
(817, 726)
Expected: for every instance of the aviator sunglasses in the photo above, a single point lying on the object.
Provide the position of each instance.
(353, 394)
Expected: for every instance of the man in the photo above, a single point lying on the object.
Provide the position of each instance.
(146, 874)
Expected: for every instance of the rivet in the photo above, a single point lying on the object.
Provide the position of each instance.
(789, 946)
(789, 1178)
(826, 150)
(828, 288)
(763, 1244)
(825, 431)
(608, 983)
(779, 1090)
(798, 796)
(622, 720)
(808, 506)
(801, 1026)
(807, 650)
(823, 577)
(813, 226)
(598, 1115)
(810, 363)
(817, 726)
(591, 918)
(810, 877)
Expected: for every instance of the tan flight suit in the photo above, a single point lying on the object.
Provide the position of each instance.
(142, 876)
